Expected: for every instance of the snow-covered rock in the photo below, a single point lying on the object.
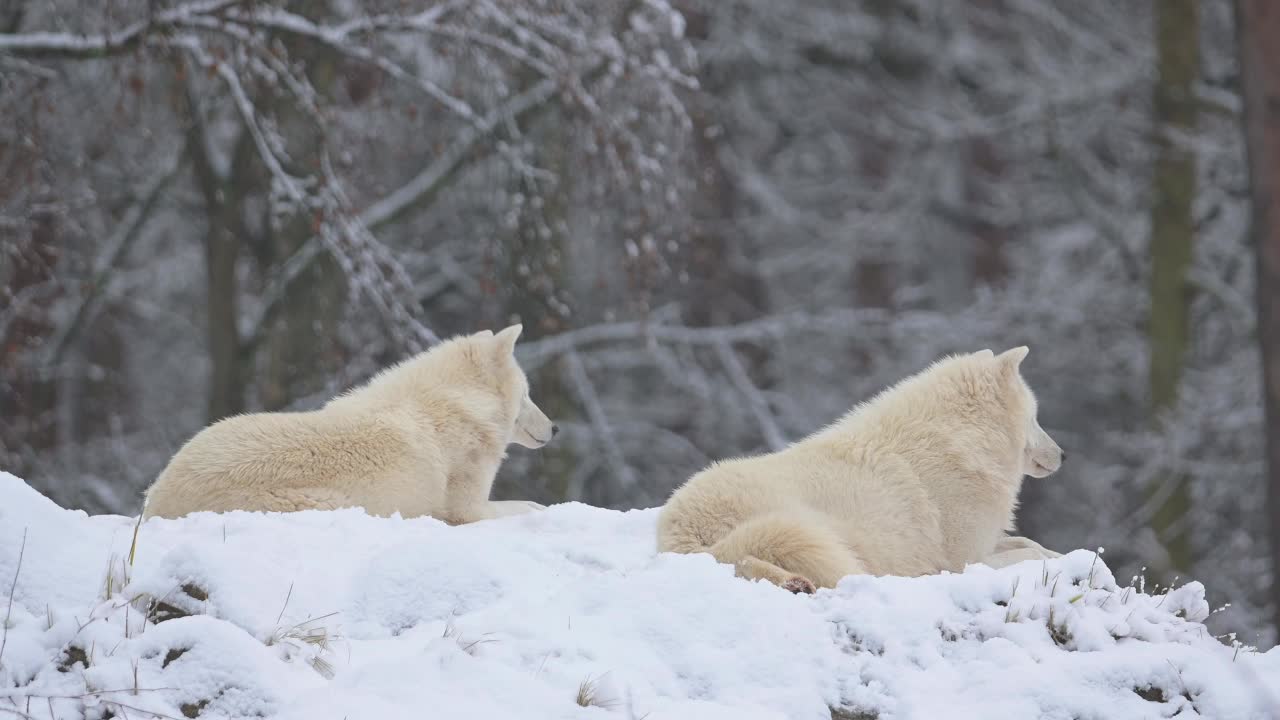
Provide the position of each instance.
(341, 615)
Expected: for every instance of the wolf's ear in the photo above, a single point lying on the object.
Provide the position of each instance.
(985, 354)
(506, 339)
(1012, 359)
(485, 334)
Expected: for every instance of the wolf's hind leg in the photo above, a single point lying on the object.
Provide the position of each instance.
(753, 568)
(790, 549)
(304, 498)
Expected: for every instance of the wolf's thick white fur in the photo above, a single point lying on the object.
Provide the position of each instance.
(425, 437)
(922, 478)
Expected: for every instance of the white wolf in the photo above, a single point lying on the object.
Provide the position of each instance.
(922, 478)
(425, 437)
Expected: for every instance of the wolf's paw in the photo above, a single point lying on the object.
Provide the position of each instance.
(507, 508)
(799, 585)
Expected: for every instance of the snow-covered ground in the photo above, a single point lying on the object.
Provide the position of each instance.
(340, 615)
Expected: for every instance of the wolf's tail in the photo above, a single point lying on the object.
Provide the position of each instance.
(791, 549)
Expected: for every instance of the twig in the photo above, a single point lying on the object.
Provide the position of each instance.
(17, 713)
(15, 693)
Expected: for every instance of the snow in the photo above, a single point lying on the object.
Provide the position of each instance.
(341, 615)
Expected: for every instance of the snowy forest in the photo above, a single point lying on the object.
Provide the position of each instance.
(722, 223)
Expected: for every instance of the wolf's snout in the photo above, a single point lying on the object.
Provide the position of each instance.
(1062, 456)
(533, 428)
(556, 428)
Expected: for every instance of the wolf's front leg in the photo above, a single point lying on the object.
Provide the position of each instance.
(1012, 557)
(507, 508)
(468, 498)
(1014, 549)
(1016, 542)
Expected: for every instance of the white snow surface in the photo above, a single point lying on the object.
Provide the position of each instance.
(341, 615)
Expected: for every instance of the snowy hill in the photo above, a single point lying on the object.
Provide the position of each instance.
(566, 614)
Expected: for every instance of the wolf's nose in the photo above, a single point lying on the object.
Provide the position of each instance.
(1063, 457)
(554, 429)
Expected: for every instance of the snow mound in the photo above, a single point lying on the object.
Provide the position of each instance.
(566, 614)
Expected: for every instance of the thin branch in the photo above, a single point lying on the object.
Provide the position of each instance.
(20, 65)
(755, 400)
(424, 186)
(590, 399)
(129, 230)
(850, 322)
(1240, 311)
(284, 21)
(246, 110)
(1077, 181)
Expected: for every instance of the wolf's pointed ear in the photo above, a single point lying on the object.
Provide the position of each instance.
(485, 334)
(1011, 359)
(985, 354)
(507, 338)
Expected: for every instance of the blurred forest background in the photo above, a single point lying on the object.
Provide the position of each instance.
(722, 223)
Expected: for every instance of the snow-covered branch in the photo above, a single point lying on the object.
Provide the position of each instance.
(846, 323)
(72, 46)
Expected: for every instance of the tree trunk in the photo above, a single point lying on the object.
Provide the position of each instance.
(1258, 25)
(28, 391)
(1172, 231)
(531, 274)
(226, 386)
(223, 203)
(302, 349)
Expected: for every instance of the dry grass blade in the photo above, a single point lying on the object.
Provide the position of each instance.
(306, 633)
(451, 632)
(323, 667)
(286, 599)
(13, 588)
(589, 695)
(133, 545)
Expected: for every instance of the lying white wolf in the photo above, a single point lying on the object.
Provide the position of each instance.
(922, 478)
(425, 437)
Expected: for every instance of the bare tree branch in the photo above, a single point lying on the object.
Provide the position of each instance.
(127, 232)
(418, 192)
(844, 322)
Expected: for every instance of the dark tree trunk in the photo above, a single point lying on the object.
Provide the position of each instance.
(28, 391)
(223, 200)
(226, 386)
(1172, 235)
(301, 349)
(1258, 25)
